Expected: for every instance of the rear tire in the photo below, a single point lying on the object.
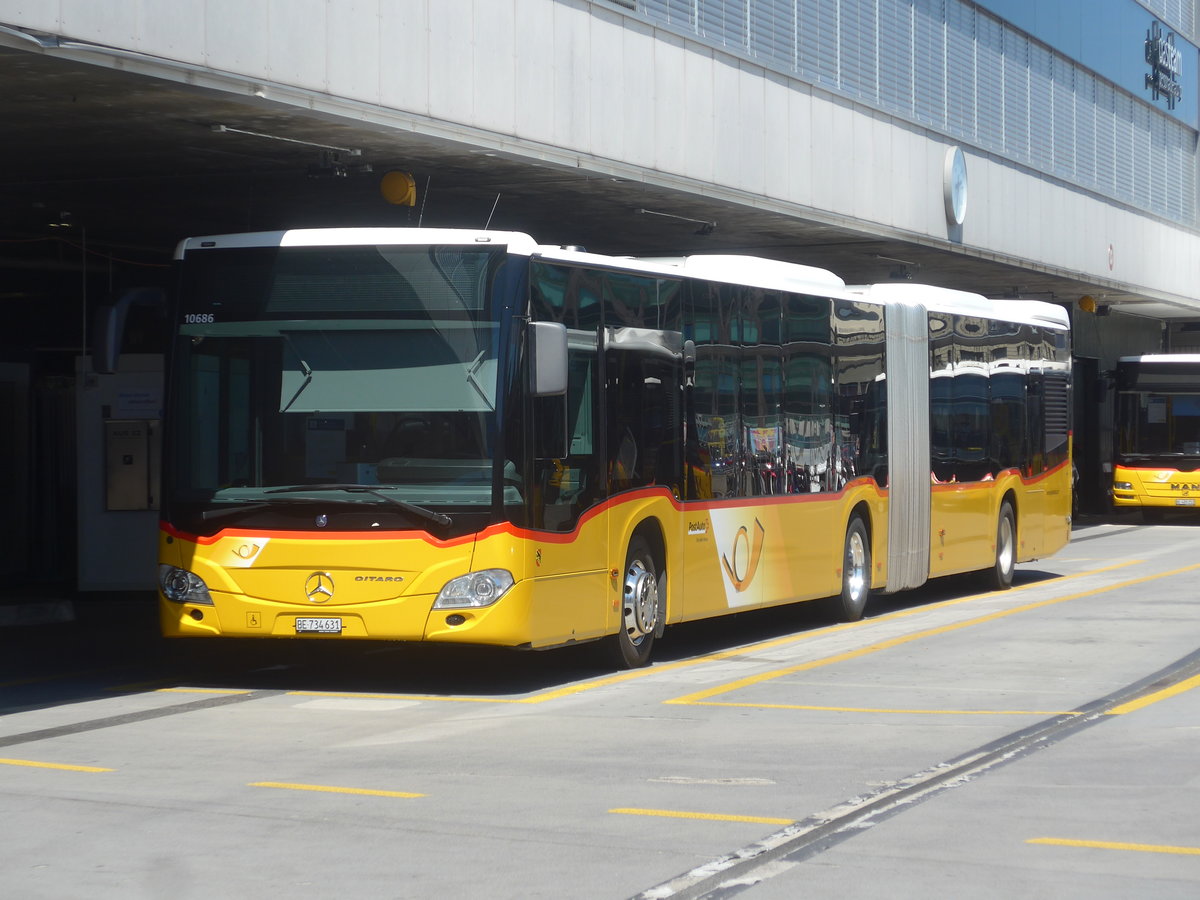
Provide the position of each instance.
(849, 605)
(642, 597)
(1000, 577)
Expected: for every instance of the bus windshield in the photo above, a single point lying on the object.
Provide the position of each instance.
(1159, 424)
(314, 372)
(1158, 410)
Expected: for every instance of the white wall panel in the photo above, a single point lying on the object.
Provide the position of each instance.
(296, 43)
(750, 132)
(671, 114)
(493, 81)
(404, 57)
(91, 21)
(899, 171)
(570, 54)
(872, 193)
(799, 139)
(534, 35)
(727, 144)
(451, 60)
(168, 29)
(701, 121)
(821, 158)
(622, 61)
(236, 36)
(844, 158)
(36, 15)
(353, 50)
(776, 137)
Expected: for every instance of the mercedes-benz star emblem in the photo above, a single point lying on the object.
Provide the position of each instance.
(319, 587)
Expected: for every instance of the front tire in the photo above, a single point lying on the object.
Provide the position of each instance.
(856, 573)
(1000, 577)
(642, 599)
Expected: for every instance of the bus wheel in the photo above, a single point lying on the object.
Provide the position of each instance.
(1001, 576)
(641, 607)
(856, 573)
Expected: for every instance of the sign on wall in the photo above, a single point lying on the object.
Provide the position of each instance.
(1166, 65)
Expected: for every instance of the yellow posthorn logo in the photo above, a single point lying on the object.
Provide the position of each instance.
(745, 556)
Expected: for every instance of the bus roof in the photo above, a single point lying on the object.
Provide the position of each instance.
(754, 271)
(1162, 358)
(515, 241)
(947, 300)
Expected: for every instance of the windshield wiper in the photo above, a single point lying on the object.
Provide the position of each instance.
(232, 510)
(304, 369)
(427, 514)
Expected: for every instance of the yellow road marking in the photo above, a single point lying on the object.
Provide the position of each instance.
(431, 697)
(719, 656)
(151, 686)
(796, 638)
(711, 817)
(1174, 689)
(1117, 845)
(694, 699)
(45, 765)
(328, 789)
(900, 712)
(758, 647)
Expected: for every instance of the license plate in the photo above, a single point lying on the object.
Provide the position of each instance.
(319, 626)
(1185, 501)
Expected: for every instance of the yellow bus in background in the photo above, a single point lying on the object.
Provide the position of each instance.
(449, 435)
(1156, 461)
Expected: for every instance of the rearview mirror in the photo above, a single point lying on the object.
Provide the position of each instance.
(548, 358)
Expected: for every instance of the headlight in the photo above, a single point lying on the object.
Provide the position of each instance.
(1122, 486)
(181, 586)
(474, 590)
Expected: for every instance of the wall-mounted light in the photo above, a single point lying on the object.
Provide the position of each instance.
(398, 188)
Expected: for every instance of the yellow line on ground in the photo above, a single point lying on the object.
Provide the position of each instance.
(795, 638)
(1174, 689)
(328, 789)
(353, 695)
(899, 712)
(910, 638)
(45, 765)
(1117, 845)
(711, 817)
(150, 686)
(720, 655)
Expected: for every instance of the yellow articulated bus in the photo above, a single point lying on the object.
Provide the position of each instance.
(448, 435)
(1156, 461)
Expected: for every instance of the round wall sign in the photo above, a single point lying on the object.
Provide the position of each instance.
(954, 186)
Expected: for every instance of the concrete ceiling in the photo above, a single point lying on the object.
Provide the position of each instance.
(133, 163)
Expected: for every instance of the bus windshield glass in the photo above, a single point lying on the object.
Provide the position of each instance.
(314, 372)
(1158, 410)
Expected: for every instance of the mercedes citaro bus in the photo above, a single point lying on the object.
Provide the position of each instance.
(450, 435)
